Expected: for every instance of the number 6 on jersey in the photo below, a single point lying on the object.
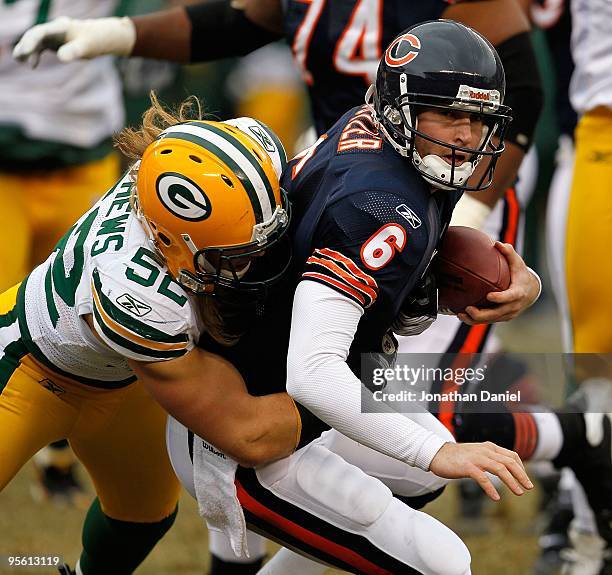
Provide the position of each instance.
(380, 248)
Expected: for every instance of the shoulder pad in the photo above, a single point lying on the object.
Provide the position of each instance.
(142, 322)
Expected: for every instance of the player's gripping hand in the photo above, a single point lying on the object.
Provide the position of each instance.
(458, 460)
(74, 39)
(524, 290)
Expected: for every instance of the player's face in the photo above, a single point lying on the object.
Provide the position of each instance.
(451, 126)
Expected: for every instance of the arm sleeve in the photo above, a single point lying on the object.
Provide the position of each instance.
(323, 326)
(218, 30)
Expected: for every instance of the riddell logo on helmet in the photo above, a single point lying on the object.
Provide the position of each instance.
(395, 56)
(480, 95)
(467, 95)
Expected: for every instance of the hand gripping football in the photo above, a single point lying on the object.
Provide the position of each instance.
(468, 267)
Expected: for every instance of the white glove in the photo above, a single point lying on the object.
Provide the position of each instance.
(74, 39)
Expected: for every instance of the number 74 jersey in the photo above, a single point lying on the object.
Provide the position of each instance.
(104, 266)
(337, 45)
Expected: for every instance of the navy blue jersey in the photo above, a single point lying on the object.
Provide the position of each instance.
(337, 45)
(365, 224)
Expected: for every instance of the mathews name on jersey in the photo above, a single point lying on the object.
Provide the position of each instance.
(102, 266)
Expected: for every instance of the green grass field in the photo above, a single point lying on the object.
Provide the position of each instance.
(27, 528)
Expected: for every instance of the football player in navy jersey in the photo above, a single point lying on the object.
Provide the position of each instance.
(371, 199)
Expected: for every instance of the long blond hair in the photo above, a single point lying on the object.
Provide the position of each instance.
(132, 142)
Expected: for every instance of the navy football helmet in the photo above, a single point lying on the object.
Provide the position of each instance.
(442, 64)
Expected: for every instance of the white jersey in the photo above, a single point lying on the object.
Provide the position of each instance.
(80, 103)
(105, 266)
(591, 83)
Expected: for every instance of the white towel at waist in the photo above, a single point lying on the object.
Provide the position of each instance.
(213, 478)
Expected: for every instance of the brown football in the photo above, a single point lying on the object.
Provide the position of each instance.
(468, 267)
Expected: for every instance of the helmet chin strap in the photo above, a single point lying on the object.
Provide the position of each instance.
(434, 169)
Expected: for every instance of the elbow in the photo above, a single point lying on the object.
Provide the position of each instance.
(299, 378)
(251, 461)
(254, 443)
(253, 454)
(248, 458)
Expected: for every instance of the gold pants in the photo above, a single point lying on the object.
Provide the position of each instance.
(36, 210)
(118, 434)
(589, 235)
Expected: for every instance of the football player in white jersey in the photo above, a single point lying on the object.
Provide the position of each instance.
(580, 232)
(56, 124)
(120, 299)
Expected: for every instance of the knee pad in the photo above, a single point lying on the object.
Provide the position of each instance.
(450, 556)
(420, 541)
(341, 487)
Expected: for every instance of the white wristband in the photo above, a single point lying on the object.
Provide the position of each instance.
(539, 282)
(470, 212)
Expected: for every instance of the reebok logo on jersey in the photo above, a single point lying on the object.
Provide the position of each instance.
(263, 138)
(133, 305)
(406, 213)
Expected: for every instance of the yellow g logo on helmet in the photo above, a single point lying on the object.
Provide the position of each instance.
(204, 185)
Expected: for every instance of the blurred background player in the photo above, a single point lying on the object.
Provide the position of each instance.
(554, 21)
(585, 231)
(575, 226)
(56, 124)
